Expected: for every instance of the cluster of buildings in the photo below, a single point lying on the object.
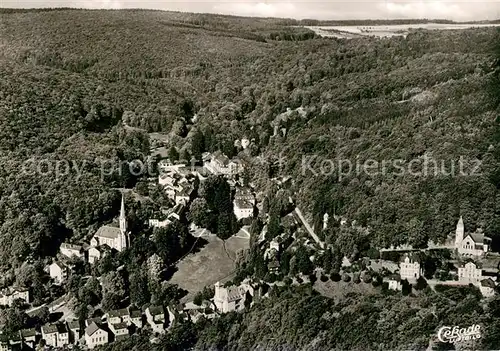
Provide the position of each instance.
(468, 245)
(171, 214)
(178, 182)
(113, 326)
(9, 295)
(218, 163)
(410, 269)
(107, 237)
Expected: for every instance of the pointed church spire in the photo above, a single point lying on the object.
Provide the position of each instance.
(124, 240)
(459, 233)
(123, 219)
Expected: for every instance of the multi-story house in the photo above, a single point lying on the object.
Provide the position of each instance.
(470, 273)
(242, 209)
(221, 164)
(62, 335)
(119, 330)
(136, 317)
(74, 331)
(28, 337)
(409, 267)
(155, 315)
(118, 316)
(95, 335)
(231, 298)
(49, 334)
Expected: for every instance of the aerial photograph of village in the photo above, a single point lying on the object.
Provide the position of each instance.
(249, 175)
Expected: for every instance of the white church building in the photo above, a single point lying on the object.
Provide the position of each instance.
(115, 237)
(474, 244)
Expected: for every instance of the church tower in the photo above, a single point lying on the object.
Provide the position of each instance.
(459, 233)
(123, 226)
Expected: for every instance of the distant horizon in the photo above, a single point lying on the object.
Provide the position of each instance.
(334, 10)
(367, 19)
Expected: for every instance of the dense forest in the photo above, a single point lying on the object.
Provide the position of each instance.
(218, 79)
(81, 86)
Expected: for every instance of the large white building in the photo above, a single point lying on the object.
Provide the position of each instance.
(115, 237)
(475, 244)
(469, 273)
(232, 298)
(58, 271)
(221, 164)
(409, 267)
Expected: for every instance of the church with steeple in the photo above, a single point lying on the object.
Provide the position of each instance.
(115, 237)
(473, 244)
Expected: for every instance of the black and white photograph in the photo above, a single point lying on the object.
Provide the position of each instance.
(260, 175)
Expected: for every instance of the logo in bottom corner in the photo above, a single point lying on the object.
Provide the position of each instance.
(456, 334)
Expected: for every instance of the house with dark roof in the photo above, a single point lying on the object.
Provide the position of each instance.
(49, 334)
(95, 335)
(473, 244)
(487, 287)
(118, 316)
(119, 330)
(74, 331)
(136, 317)
(28, 337)
(89, 321)
(155, 315)
(71, 250)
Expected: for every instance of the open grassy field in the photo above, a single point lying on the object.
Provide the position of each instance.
(212, 263)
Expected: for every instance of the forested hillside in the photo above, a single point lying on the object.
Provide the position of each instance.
(69, 77)
(82, 86)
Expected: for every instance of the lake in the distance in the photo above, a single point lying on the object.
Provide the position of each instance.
(350, 32)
